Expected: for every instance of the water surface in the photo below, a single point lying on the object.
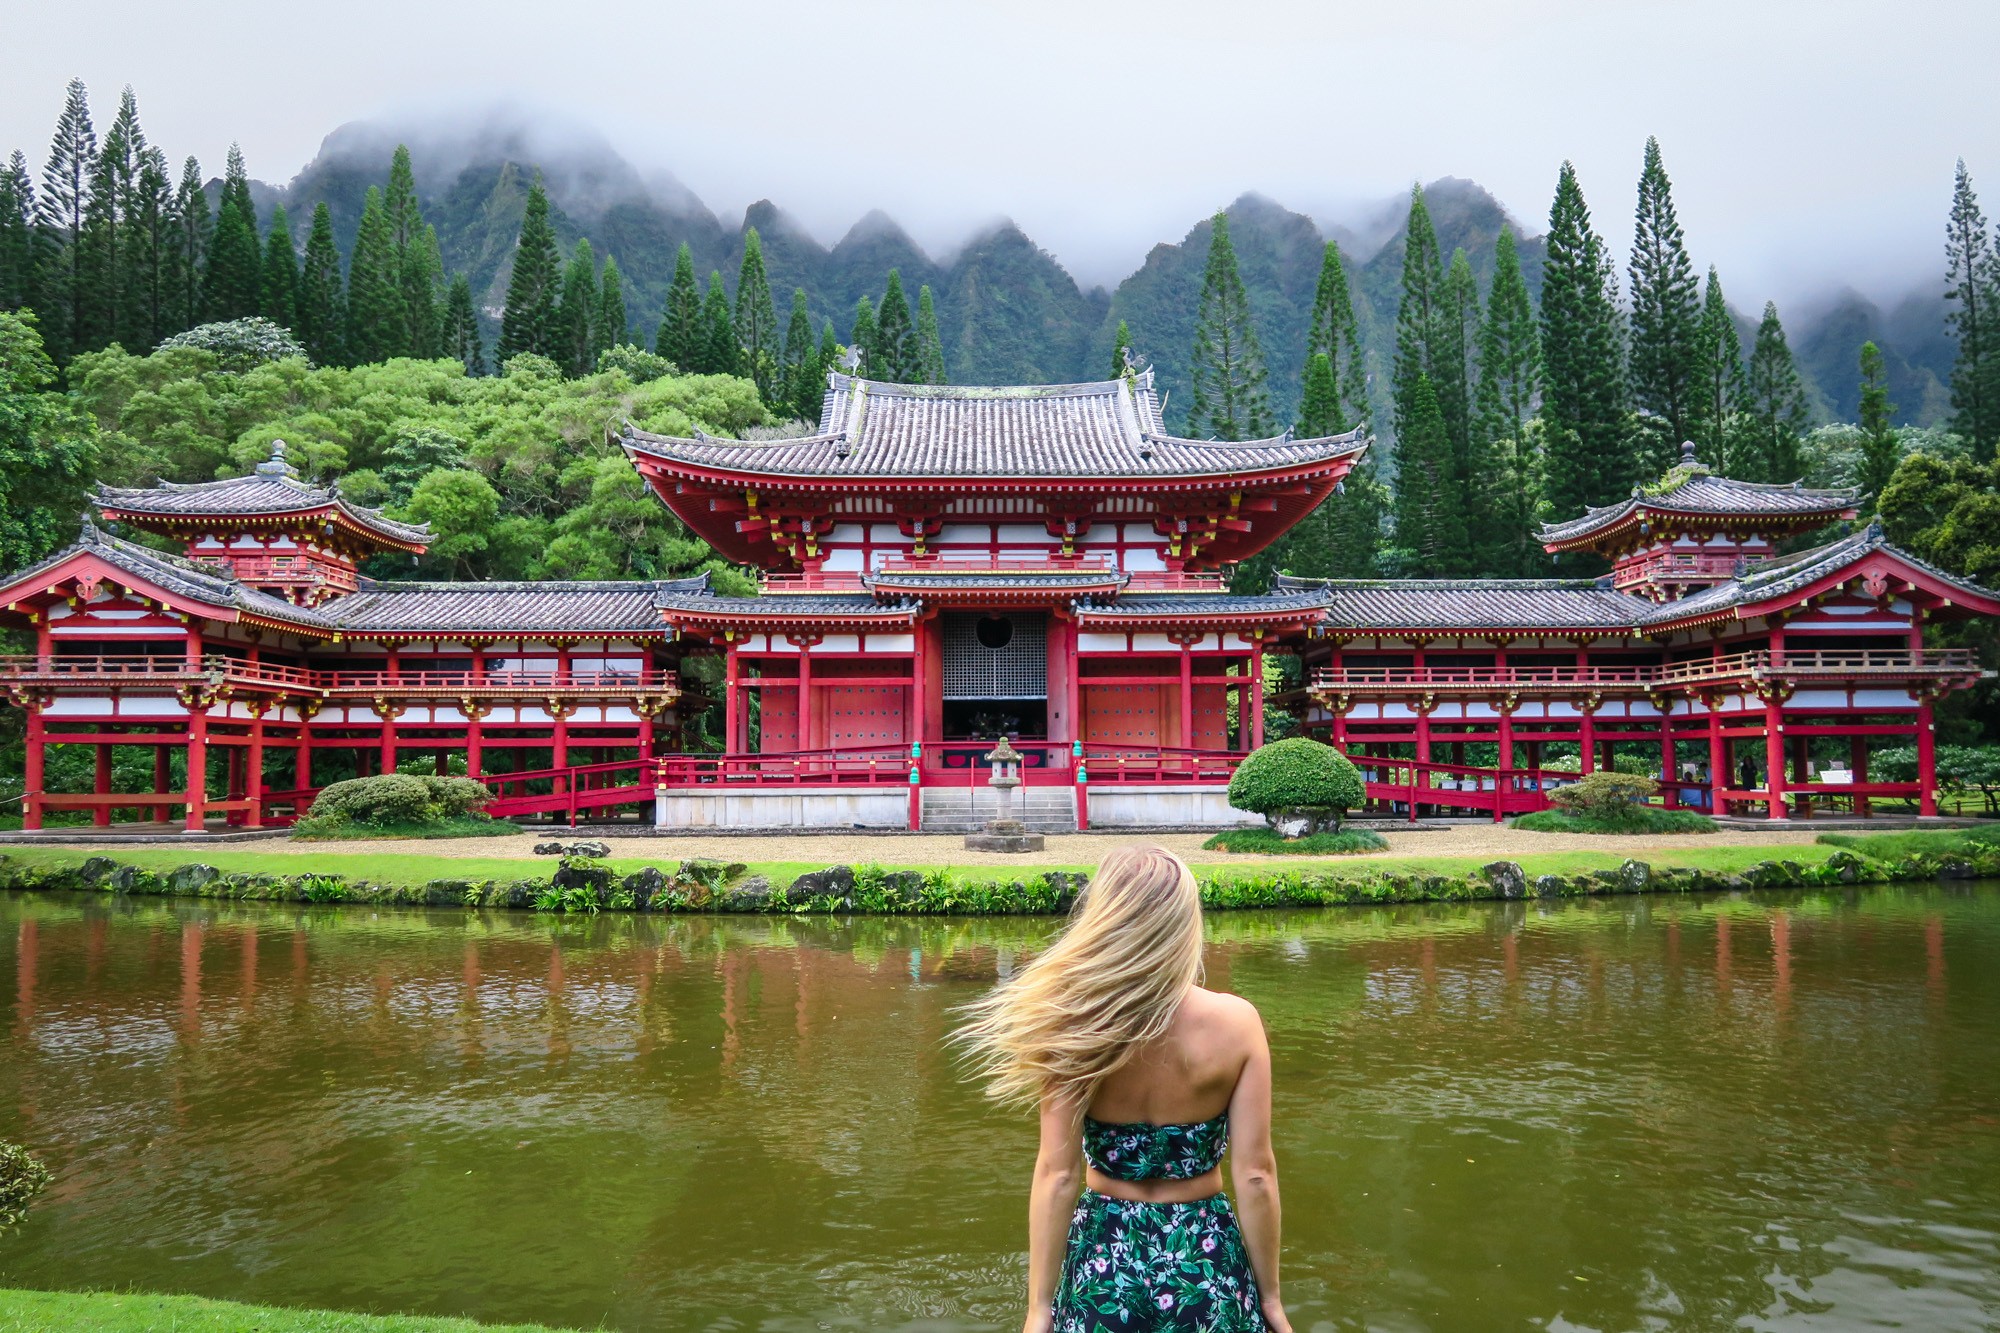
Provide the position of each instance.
(1767, 1112)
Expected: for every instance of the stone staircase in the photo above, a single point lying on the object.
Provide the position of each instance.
(966, 810)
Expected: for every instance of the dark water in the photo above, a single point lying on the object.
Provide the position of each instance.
(1776, 1112)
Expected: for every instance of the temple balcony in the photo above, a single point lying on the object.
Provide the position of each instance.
(969, 571)
(1678, 569)
(173, 671)
(1956, 666)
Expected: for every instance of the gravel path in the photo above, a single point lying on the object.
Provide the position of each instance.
(1488, 841)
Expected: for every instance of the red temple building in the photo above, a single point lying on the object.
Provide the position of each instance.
(944, 565)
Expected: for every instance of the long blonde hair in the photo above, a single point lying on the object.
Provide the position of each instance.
(1110, 983)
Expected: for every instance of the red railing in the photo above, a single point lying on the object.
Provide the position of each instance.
(1153, 764)
(880, 765)
(579, 787)
(1837, 663)
(1677, 566)
(167, 668)
(1499, 791)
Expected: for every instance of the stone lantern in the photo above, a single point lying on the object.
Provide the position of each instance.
(1003, 832)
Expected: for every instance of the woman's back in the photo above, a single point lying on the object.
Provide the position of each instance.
(1188, 1073)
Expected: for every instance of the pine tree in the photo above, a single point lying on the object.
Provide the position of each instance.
(1319, 408)
(103, 265)
(1583, 380)
(191, 233)
(59, 214)
(930, 346)
(1121, 350)
(1774, 402)
(399, 199)
(721, 355)
(1430, 502)
(236, 186)
(17, 244)
(799, 363)
(148, 254)
(461, 327)
(279, 284)
(1416, 311)
(1509, 380)
(229, 285)
(1719, 373)
(679, 337)
(1226, 363)
(1331, 330)
(529, 322)
(1666, 310)
(607, 330)
(321, 306)
(894, 354)
(1455, 340)
(756, 318)
(829, 357)
(1972, 278)
(863, 338)
(1880, 449)
(377, 326)
(578, 312)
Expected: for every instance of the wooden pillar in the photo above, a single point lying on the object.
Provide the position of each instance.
(1669, 762)
(1774, 758)
(475, 741)
(1718, 762)
(388, 723)
(1256, 688)
(1857, 764)
(1506, 736)
(32, 777)
(197, 771)
(732, 699)
(161, 770)
(100, 814)
(805, 697)
(1926, 762)
(1187, 696)
(559, 737)
(1586, 742)
(302, 761)
(1073, 684)
(253, 773)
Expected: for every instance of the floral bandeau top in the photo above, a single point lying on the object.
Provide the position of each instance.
(1140, 1151)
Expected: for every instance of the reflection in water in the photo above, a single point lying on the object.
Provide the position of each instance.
(1616, 1114)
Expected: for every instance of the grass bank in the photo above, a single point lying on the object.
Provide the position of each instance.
(136, 1312)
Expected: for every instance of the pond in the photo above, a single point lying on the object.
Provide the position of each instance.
(1770, 1111)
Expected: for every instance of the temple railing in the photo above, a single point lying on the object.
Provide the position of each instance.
(1111, 765)
(170, 669)
(1678, 567)
(879, 765)
(1803, 664)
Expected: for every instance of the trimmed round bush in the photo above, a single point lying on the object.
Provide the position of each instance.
(397, 798)
(22, 1177)
(1297, 784)
(453, 797)
(1604, 796)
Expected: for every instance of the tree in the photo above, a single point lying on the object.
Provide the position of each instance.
(1430, 499)
(419, 266)
(278, 286)
(829, 357)
(1301, 786)
(1455, 339)
(1775, 404)
(1583, 380)
(1331, 330)
(48, 449)
(191, 234)
(1121, 350)
(798, 366)
(321, 305)
(1509, 382)
(720, 354)
(17, 238)
(1417, 318)
(1880, 449)
(576, 353)
(930, 346)
(230, 282)
(528, 323)
(461, 507)
(1946, 511)
(756, 318)
(461, 327)
(59, 213)
(1972, 278)
(679, 338)
(1666, 308)
(413, 455)
(377, 318)
(894, 354)
(100, 260)
(1227, 364)
(863, 338)
(607, 330)
(1719, 371)
(1319, 408)
(148, 253)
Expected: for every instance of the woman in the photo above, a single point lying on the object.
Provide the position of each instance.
(1142, 1077)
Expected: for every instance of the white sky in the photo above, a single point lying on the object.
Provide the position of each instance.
(1810, 142)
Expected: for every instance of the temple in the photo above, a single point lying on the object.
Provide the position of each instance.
(941, 566)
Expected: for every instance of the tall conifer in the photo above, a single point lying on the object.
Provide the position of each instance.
(829, 357)
(1430, 502)
(1880, 449)
(321, 307)
(1972, 286)
(1417, 312)
(1333, 331)
(529, 321)
(377, 319)
(721, 355)
(1456, 339)
(59, 215)
(192, 233)
(102, 262)
(229, 285)
(1226, 363)
(679, 338)
(278, 286)
(1121, 350)
(1583, 379)
(148, 253)
(1775, 404)
(461, 327)
(578, 312)
(608, 329)
(797, 364)
(756, 318)
(1719, 373)
(419, 266)
(1509, 382)
(930, 345)
(1666, 311)
(863, 338)
(895, 353)
(17, 243)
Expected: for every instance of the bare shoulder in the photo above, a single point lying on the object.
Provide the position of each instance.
(1224, 1009)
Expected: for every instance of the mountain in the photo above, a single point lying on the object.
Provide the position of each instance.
(1008, 311)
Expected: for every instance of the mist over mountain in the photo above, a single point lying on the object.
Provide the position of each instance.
(1008, 311)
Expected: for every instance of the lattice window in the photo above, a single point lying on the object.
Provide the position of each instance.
(1016, 669)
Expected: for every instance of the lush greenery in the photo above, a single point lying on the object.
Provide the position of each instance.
(22, 1178)
(400, 805)
(1345, 842)
(1300, 786)
(1631, 819)
(144, 1312)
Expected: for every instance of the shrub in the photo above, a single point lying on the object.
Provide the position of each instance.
(1347, 842)
(396, 798)
(640, 366)
(1300, 786)
(1628, 819)
(240, 344)
(22, 1177)
(1603, 795)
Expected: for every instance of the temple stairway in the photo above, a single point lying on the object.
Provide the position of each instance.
(966, 809)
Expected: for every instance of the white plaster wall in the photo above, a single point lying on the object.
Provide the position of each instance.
(803, 808)
(1164, 806)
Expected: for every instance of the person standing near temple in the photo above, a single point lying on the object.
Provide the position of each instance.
(1143, 1078)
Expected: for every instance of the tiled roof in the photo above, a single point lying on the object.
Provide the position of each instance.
(1448, 604)
(606, 607)
(1702, 492)
(1285, 602)
(802, 606)
(174, 574)
(1785, 574)
(1106, 429)
(943, 579)
(274, 488)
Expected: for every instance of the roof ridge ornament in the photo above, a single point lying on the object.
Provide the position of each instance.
(276, 466)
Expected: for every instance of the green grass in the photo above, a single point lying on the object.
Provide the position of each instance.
(1346, 842)
(460, 826)
(1695, 856)
(136, 1312)
(1927, 842)
(1632, 819)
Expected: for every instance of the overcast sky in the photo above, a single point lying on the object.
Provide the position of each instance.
(1809, 142)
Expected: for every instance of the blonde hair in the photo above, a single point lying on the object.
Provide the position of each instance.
(1111, 982)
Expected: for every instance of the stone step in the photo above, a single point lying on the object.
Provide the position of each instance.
(963, 810)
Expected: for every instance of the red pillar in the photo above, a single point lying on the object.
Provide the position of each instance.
(100, 815)
(1774, 758)
(1586, 743)
(1187, 696)
(805, 697)
(475, 742)
(1926, 762)
(197, 771)
(1669, 764)
(732, 700)
(160, 777)
(1256, 688)
(1718, 763)
(253, 774)
(1857, 764)
(31, 803)
(1506, 737)
(388, 756)
(303, 760)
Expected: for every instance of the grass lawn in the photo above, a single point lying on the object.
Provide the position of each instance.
(134, 1312)
(1931, 842)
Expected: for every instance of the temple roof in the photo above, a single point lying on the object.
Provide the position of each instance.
(1788, 574)
(1109, 429)
(445, 609)
(273, 489)
(177, 576)
(1286, 603)
(1692, 490)
(1452, 604)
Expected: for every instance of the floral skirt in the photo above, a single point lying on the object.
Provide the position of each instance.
(1154, 1267)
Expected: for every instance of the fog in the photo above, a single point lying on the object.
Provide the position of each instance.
(1811, 145)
